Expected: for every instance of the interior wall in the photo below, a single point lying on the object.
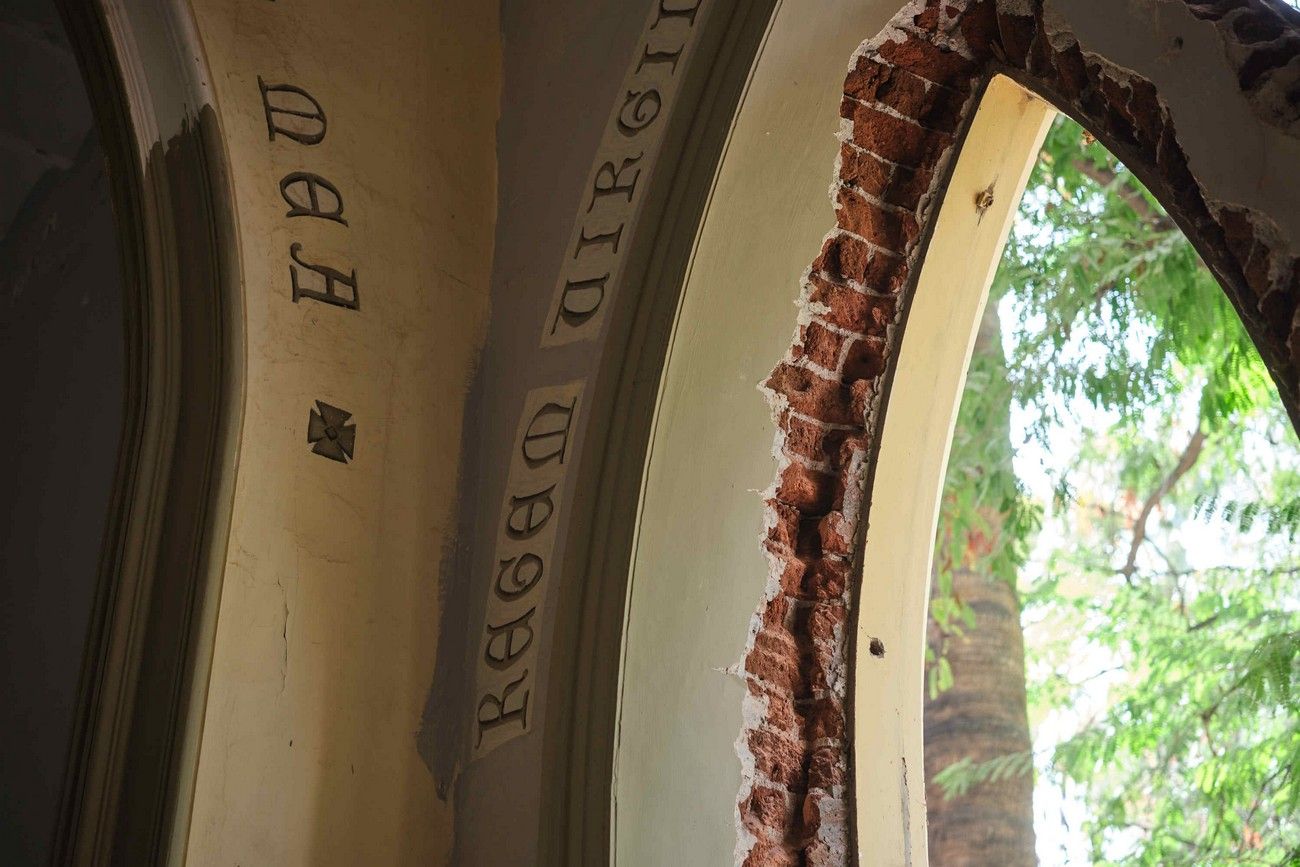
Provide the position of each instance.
(327, 631)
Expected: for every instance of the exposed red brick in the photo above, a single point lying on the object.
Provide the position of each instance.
(845, 258)
(865, 359)
(779, 758)
(810, 439)
(781, 714)
(822, 346)
(1258, 268)
(896, 185)
(1238, 232)
(768, 809)
(873, 81)
(818, 806)
(894, 138)
(927, 19)
(1148, 117)
(1016, 33)
(825, 665)
(824, 720)
(769, 854)
(792, 572)
(1039, 61)
(942, 110)
(853, 310)
(810, 394)
(836, 532)
(826, 769)
(826, 579)
(979, 24)
(825, 621)
(1071, 72)
(778, 620)
(809, 490)
(865, 171)
(930, 105)
(931, 62)
(853, 445)
(892, 230)
(860, 394)
(776, 662)
(1119, 124)
(784, 531)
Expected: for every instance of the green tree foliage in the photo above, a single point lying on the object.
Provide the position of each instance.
(1168, 590)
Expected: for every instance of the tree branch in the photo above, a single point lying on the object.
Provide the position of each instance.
(1185, 462)
(1112, 182)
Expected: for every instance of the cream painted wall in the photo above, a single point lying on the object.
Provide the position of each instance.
(889, 769)
(698, 572)
(327, 628)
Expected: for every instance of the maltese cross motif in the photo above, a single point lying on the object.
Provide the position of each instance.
(330, 434)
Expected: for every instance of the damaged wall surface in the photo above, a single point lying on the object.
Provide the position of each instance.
(1122, 69)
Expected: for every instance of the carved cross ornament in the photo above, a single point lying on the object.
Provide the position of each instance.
(330, 434)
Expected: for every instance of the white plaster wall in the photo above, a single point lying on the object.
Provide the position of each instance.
(327, 630)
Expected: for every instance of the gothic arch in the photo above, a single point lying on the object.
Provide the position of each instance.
(910, 98)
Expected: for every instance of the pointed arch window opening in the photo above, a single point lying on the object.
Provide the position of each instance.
(1110, 597)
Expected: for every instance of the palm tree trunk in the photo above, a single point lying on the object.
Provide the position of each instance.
(983, 715)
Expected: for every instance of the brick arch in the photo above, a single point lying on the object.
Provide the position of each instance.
(909, 97)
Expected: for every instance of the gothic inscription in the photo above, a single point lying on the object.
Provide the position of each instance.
(521, 571)
(292, 112)
(295, 115)
(525, 542)
(594, 266)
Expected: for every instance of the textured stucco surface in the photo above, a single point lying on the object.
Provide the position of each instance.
(326, 636)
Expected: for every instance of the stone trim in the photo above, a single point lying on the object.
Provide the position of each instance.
(909, 97)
